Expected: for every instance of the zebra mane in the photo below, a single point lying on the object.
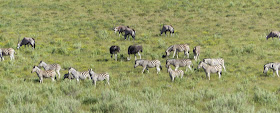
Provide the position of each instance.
(169, 48)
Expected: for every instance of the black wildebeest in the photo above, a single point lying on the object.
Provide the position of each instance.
(166, 28)
(120, 29)
(129, 31)
(133, 49)
(273, 34)
(26, 41)
(114, 50)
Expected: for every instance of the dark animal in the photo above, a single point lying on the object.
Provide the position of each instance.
(273, 34)
(114, 50)
(134, 49)
(129, 31)
(26, 41)
(166, 28)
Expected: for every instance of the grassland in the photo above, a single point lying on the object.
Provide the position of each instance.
(78, 33)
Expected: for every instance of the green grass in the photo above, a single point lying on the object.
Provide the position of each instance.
(78, 33)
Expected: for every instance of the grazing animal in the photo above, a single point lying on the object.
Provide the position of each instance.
(176, 49)
(210, 69)
(213, 62)
(26, 41)
(273, 34)
(173, 74)
(179, 63)
(55, 67)
(99, 77)
(148, 64)
(114, 50)
(133, 49)
(7, 52)
(129, 31)
(166, 28)
(78, 75)
(120, 29)
(196, 52)
(44, 74)
(274, 66)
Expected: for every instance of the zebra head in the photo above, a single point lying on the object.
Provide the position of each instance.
(91, 72)
(200, 64)
(266, 67)
(35, 68)
(137, 62)
(167, 63)
(41, 64)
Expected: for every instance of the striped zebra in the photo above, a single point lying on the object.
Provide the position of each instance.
(196, 52)
(173, 74)
(44, 74)
(55, 67)
(7, 52)
(273, 34)
(274, 66)
(99, 77)
(213, 62)
(179, 63)
(148, 64)
(210, 69)
(176, 49)
(78, 75)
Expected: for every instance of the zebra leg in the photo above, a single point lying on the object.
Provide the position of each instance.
(208, 74)
(158, 69)
(188, 55)
(139, 54)
(177, 54)
(277, 72)
(108, 81)
(176, 68)
(173, 78)
(224, 66)
(174, 53)
(143, 69)
(219, 74)
(77, 79)
(190, 67)
(58, 73)
(53, 79)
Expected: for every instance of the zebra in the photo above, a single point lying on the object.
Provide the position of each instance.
(210, 69)
(274, 66)
(174, 74)
(196, 52)
(213, 62)
(148, 64)
(44, 74)
(133, 49)
(273, 34)
(166, 28)
(55, 67)
(120, 29)
(176, 49)
(129, 31)
(179, 63)
(78, 75)
(7, 52)
(99, 77)
(114, 50)
(26, 41)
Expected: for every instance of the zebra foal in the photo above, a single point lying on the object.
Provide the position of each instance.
(44, 74)
(173, 74)
(210, 69)
(99, 77)
(179, 63)
(177, 49)
(148, 64)
(78, 75)
(196, 52)
(274, 66)
(55, 67)
(7, 52)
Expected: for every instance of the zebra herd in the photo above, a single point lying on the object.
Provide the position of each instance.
(209, 65)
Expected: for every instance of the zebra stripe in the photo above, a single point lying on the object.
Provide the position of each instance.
(44, 74)
(176, 49)
(210, 69)
(7, 52)
(148, 64)
(99, 77)
(174, 74)
(55, 67)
